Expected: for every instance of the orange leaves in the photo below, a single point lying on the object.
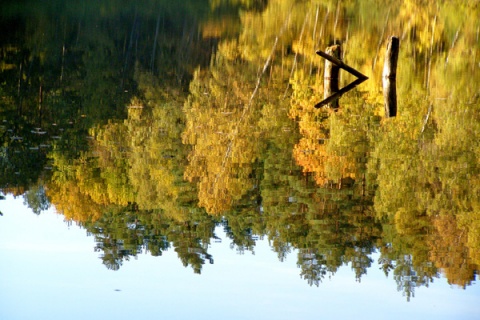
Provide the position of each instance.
(326, 166)
(312, 157)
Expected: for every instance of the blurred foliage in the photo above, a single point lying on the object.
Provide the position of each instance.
(152, 124)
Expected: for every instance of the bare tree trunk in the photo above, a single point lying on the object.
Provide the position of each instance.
(390, 77)
(331, 75)
(333, 64)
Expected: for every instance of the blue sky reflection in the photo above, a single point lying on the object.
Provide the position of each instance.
(49, 270)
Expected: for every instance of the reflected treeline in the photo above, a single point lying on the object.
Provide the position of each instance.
(151, 125)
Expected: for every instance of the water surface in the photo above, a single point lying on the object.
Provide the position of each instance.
(179, 143)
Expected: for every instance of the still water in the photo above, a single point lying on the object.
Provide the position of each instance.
(167, 160)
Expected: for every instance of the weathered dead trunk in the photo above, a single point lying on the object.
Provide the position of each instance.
(331, 75)
(333, 64)
(390, 77)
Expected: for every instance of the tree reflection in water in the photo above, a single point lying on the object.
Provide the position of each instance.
(147, 142)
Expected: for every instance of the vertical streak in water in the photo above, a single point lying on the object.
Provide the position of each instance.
(130, 45)
(322, 29)
(313, 37)
(63, 51)
(294, 65)
(431, 54)
(380, 40)
(152, 60)
(19, 89)
(337, 13)
(451, 47)
(475, 52)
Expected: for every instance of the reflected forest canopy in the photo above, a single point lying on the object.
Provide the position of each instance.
(152, 124)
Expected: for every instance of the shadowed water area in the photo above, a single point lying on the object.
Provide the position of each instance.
(168, 129)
